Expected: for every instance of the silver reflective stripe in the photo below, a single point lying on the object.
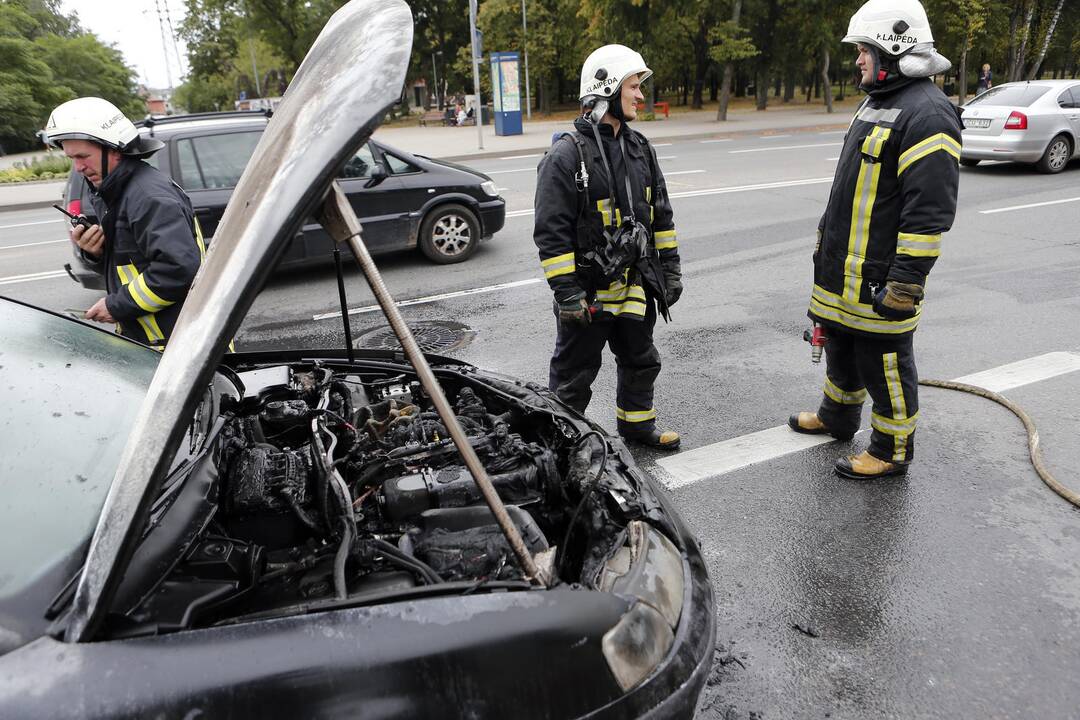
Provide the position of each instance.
(878, 115)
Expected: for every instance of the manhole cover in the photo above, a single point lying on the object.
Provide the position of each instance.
(433, 336)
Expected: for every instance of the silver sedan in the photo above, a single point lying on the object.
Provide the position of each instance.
(1029, 122)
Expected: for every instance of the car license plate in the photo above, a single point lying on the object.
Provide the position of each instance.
(976, 122)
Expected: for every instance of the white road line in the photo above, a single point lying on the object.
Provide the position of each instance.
(833, 132)
(1024, 372)
(748, 188)
(772, 137)
(435, 298)
(666, 157)
(683, 172)
(718, 191)
(39, 222)
(1032, 205)
(12, 279)
(719, 458)
(503, 172)
(522, 157)
(661, 144)
(785, 147)
(708, 142)
(831, 159)
(43, 242)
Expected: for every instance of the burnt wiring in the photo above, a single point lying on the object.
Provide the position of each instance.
(560, 560)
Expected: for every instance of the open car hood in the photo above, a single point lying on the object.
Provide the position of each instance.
(352, 74)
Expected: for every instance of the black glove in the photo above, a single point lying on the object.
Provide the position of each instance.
(574, 311)
(674, 287)
(897, 300)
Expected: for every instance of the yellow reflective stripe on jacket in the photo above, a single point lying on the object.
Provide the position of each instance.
(604, 206)
(862, 210)
(146, 298)
(622, 299)
(855, 397)
(665, 240)
(857, 316)
(559, 265)
(199, 240)
(874, 143)
(150, 326)
(918, 245)
(932, 144)
(897, 428)
(635, 416)
(127, 273)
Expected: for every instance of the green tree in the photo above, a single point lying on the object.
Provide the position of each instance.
(89, 67)
(45, 59)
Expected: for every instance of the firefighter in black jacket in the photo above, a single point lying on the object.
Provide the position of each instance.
(148, 244)
(893, 197)
(607, 245)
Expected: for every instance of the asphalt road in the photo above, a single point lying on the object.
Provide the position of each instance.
(952, 593)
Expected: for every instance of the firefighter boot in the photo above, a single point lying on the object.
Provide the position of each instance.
(809, 423)
(865, 466)
(668, 440)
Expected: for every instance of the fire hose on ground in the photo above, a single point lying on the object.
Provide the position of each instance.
(817, 338)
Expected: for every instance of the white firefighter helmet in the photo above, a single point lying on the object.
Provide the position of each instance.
(99, 121)
(892, 26)
(607, 67)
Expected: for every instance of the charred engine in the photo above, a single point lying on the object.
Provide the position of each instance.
(340, 484)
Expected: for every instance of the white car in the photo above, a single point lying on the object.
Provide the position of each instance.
(1029, 122)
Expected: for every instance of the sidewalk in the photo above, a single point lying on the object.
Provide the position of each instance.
(460, 143)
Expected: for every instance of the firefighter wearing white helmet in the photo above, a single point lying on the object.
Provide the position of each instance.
(606, 236)
(893, 199)
(144, 238)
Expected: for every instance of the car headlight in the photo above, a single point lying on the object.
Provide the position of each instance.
(649, 567)
(489, 188)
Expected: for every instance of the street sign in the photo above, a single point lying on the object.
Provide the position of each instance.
(506, 87)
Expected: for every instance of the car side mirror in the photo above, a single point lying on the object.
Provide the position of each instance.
(378, 174)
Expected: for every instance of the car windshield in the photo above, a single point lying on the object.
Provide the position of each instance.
(71, 393)
(1011, 95)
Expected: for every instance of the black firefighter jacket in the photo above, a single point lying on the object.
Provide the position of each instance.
(558, 205)
(153, 248)
(893, 197)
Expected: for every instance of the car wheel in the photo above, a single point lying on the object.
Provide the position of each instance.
(969, 162)
(449, 234)
(1056, 156)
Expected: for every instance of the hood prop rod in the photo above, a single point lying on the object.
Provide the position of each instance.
(344, 303)
(337, 217)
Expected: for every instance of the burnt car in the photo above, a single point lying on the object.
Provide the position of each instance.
(330, 533)
(405, 201)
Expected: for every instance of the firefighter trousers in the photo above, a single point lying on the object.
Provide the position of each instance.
(884, 368)
(578, 356)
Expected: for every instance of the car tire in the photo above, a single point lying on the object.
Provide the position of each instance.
(1056, 156)
(969, 162)
(449, 234)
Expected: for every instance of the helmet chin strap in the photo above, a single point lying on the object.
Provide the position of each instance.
(104, 163)
(882, 71)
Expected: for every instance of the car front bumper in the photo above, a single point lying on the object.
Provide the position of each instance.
(1012, 145)
(492, 216)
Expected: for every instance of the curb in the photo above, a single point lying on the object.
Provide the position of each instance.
(714, 135)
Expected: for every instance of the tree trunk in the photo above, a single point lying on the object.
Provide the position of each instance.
(825, 79)
(729, 70)
(714, 86)
(1046, 41)
(701, 61)
(789, 87)
(1021, 53)
(761, 88)
(961, 85)
(1014, 26)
